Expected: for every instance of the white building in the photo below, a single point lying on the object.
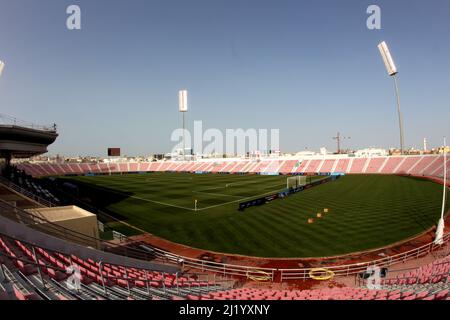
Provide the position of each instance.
(371, 152)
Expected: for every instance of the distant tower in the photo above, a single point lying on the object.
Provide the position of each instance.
(425, 145)
(339, 139)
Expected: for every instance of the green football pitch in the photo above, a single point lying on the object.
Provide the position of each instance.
(365, 211)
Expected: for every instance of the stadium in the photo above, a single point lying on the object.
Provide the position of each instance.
(341, 225)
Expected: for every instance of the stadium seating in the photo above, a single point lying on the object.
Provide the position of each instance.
(42, 266)
(327, 165)
(391, 165)
(238, 167)
(312, 166)
(287, 166)
(357, 165)
(426, 165)
(420, 166)
(437, 271)
(29, 268)
(21, 180)
(323, 294)
(407, 164)
(342, 165)
(218, 166)
(374, 165)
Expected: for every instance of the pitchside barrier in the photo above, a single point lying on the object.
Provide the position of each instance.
(287, 192)
(357, 268)
(301, 273)
(14, 213)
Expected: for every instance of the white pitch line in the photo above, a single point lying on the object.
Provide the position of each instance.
(154, 201)
(255, 196)
(215, 188)
(243, 183)
(162, 203)
(218, 194)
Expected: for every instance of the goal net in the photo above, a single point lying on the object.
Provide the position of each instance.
(296, 182)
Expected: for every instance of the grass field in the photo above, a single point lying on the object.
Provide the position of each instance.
(366, 212)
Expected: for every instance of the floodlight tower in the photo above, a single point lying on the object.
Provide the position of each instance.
(392, 71)
(182, 103)
(441, 225)
(2, 65)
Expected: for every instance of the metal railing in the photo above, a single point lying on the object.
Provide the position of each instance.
(26, 193)
(356, 268)
(9, 120)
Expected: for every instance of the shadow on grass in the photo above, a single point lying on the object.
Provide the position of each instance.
(95, 199)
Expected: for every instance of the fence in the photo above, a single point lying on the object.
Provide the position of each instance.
(356, 268)
(8, 120)
(26, 193)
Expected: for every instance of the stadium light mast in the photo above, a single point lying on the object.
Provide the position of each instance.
(441, 225)
(2, 65)
(392, 71)
(182, 105)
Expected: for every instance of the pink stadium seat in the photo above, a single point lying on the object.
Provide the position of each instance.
(391, 165)
(288, 166)
(327, 165)
(313, 166)
(422, 165)
(342, 165)
(358, 165)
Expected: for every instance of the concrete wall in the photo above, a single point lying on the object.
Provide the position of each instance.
(70, 217)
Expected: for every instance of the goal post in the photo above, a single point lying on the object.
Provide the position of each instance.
(295, 182)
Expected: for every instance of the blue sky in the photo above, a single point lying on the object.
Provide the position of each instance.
(308, 68)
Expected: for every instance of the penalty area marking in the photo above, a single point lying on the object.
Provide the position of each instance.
(234, 201)
(218, 194)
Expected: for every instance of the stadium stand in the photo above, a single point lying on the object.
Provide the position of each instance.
(47, 270)
(358, 165)
(24, 183)
(324, 294)
(287, 166)
(435, 272)
(426, 165)
(35, 271)
(327, 165)
(421, 165)
(391, 165)
(342, 165)
(374, 165)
